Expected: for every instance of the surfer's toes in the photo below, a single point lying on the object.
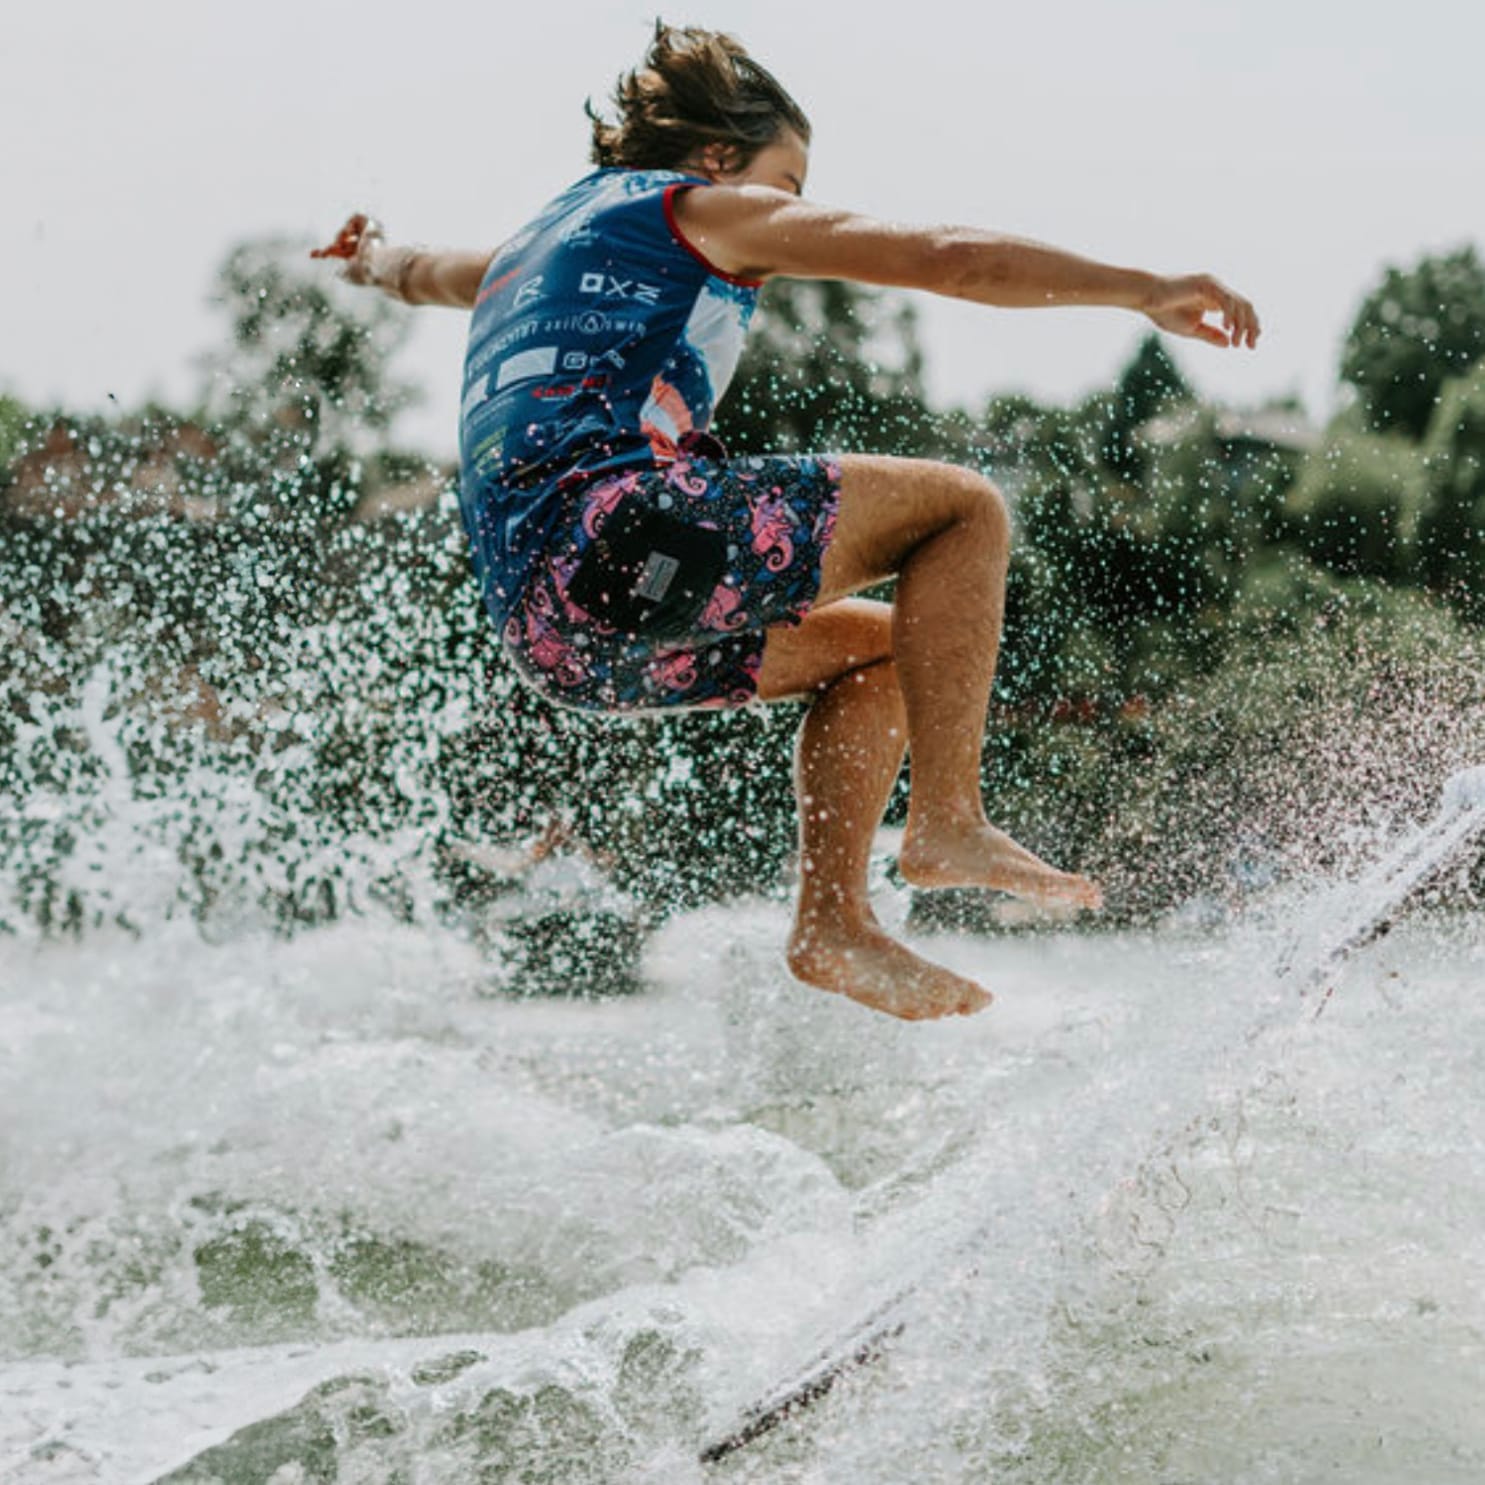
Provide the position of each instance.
(982, 856)
(867, 966)
(1083, 893)
(974, 1000)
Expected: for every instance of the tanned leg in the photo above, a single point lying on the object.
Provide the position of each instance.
(945, 533)
(850, 750)
(925, 667)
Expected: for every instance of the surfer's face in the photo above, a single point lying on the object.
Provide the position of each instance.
(784, 164)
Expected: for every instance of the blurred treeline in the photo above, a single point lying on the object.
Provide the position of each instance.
(243, 664)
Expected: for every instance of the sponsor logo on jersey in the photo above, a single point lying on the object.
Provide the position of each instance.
(560, 391)
(529, 292)
(479, 389)
(539, 361)
(500, 345)
(592, 323)
(488, 450)
(580, 234)
(619, 288)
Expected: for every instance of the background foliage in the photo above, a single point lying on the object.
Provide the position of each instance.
(244, 633)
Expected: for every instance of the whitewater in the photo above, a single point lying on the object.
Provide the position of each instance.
(331, 1207)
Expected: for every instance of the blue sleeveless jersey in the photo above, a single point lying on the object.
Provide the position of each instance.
(600, 338)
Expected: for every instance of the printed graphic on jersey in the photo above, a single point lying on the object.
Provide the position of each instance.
(599, 339)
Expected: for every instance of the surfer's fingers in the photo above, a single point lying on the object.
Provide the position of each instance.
(359, 269)
(1239, 318)
(1251, 327)
(1212, 334)
(346, 241)
(355, 243)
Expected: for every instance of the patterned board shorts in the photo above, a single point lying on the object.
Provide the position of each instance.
(681, 569)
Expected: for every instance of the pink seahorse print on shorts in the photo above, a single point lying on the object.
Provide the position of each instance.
(679, 474)
(724, 610)
(675, 671)
(543, 645)
(771, 530)
(776, 516)
(603, 498)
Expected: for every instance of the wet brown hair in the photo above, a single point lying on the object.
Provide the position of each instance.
(694, 88)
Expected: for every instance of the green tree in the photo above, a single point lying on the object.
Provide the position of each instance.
(1451, 529)
(302, 398)
(829, 367)
(1151, 384)
(308, 359)
(13, 419)
(1356, 505)
(1009, 425)
(1416, 329)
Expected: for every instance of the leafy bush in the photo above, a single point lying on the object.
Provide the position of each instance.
(1416, 329)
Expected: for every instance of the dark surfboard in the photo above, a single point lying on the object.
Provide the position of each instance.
(858, 1347)
(1311, 963)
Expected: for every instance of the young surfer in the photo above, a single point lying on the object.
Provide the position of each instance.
(630, 564)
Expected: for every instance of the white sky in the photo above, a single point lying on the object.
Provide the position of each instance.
(1292, 148)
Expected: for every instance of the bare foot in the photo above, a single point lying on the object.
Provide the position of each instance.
(979, 855)
(865, 965)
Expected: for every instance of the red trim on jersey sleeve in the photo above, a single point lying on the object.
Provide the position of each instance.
(701, 257)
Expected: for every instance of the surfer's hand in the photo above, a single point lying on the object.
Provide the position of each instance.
(362, 244)
(1181, 306)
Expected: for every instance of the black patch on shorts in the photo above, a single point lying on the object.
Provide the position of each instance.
(648, 574)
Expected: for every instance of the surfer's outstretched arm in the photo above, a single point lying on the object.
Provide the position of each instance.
(758, 232)
(415, 275)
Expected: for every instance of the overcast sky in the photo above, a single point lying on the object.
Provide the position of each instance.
(1292, 148)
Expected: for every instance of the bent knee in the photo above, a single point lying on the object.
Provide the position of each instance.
(890, 506)
(978, 499)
